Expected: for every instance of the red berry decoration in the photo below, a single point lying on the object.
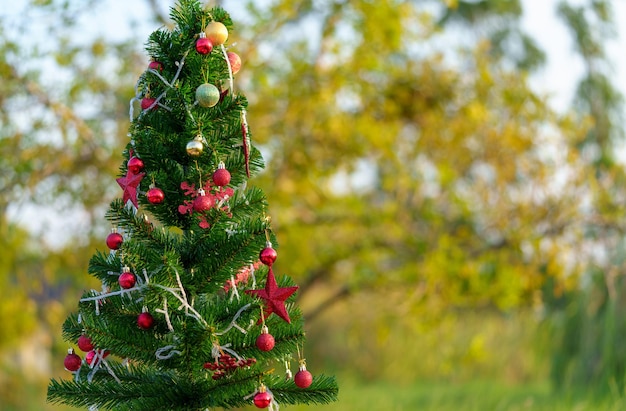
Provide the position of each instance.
(114, 240)
(126, 279)
(268, 255)
(221, 177)
(203, 202)
(72, 361)
(262, 399)
(203, 45)
(147, 102)
(265, 341)
(156, 65)
(303, 378)
(135, 165)
(84, 343)
(155, 195)
(145, 321)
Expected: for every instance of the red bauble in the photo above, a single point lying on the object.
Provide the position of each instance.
(203, 203)
(134, 165)
(114, 241)
(268, 255)
(72, 361)
(92, 354)
(145, 321)
(303, 378)
(235, 62)
(84, 343)
(147, 102)
(204, 45)
(221, 177)
(156, 65)
(127, 280)
(155, 195)
(262, 399)
(265, 342)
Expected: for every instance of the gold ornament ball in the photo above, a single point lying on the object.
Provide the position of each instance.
(195, 147)
(216, 32)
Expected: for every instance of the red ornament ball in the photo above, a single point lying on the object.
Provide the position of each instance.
(84, 343)
(221, 177)
(268, 256)
(265, 342)
(147, 102)
(155, 195)
(262, 399)
(145, 321)
(72, 361)
(303, 378)
(135, 165)
(204, 45)
(235, 61)
(114, 241)
(203, 203)
(156, 65)
(127, 280)
(92, 354)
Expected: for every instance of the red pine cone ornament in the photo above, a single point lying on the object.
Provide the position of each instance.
(303, 378)
(72, 361)
(145, 321)
(114, 240)
(126, 279)
(155, 195)
(268, 255)
(221, 177)
(84, 343)
(265, 341)
(262, 399)
(135, 165)
(203, 202)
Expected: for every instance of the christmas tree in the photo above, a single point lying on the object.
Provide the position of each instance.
(190, 315)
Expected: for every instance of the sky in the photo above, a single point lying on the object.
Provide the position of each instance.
(557, 79)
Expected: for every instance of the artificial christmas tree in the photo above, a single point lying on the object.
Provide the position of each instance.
(191, 315)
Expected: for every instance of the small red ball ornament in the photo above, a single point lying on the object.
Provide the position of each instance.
(204, 45)
(72, 361)
(156, 65)
(265, 341)
(155, 195)
(203, 202)
(135, 165)
(268, 255)
(114, 240)
(303, 378)
(262, 399)
(221, 177)
(84, 343)
(235, 62)
(126, 279)
(145, 321)
(147, 102)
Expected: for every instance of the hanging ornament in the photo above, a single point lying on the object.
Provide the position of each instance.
(84, 343)
(134, 165)
(126, 279)
(129, 184)
(203, 202)
(268, 255)
(147, 102)
(155, 195)
(207, 95)
(145, 320)
(262, 399)
(72, 361)
(235, 62)
(216, 32)
(195, 147)
(156, 65)
(265, 341)
(93, 354)
(221, 176)
(303, 378)
(274, 297)
(204, 45)
(114, 240)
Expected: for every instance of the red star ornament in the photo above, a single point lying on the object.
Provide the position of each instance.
(274, 297)
(129, 184)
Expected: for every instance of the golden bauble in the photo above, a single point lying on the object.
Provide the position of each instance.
(195, 147)
(216, 32)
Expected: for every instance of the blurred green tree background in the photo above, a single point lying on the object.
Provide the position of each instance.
(447, 225)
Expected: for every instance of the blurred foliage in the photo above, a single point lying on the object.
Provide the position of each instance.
(413, 174)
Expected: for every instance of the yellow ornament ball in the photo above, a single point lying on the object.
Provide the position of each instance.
(216, 32)
(195, 147)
